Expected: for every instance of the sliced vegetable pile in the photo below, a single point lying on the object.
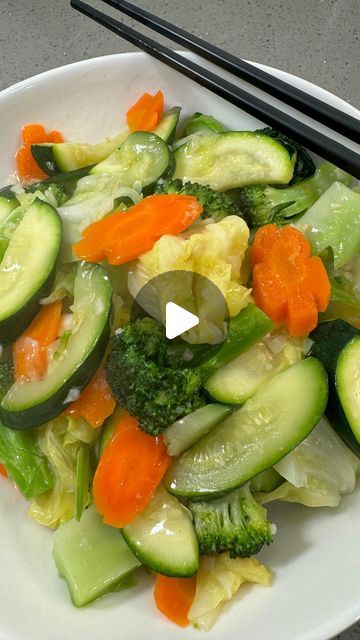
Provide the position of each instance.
(148, 453)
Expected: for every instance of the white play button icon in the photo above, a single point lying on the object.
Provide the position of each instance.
(178, 320)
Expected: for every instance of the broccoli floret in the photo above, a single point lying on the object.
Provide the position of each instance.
(56, 191)
(150, 381)
(235, 523)
(261, 204)
(6, 378)
(215, 205)
(304, 165)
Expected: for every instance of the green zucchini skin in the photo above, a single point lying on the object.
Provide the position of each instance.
(13, 321)
(329, 339)
(13, 326)
(256, 436)
(23, 411)
(43, 154)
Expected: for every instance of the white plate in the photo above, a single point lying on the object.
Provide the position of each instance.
(316, 556)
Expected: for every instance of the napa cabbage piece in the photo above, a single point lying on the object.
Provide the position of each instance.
(64, 283)
(214, 250)
(317, 472)
(59, 441)
(218, 580)
(25, 462)
(345, 293)
(334, 221)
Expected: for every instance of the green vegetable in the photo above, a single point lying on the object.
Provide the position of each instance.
(268, 480)
(261, 204)
(241, 378)
(183, 433)
(344, 301)
(60, 441)
(34, 403)
(8, 202)
(83, 477)
(304, 165)
(234, 159)
(334, 221)
(317, 473)
(52, 190)
(215, 205)
(235, 523)
(329, 339)
(254, 437)
(200, 123)
(166, 129)
(148, 376)
(171, 548)
(347, 379)
(24, 461)
(6, 377)
(33, 247)
(92, 557)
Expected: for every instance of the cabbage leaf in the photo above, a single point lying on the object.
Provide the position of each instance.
(317, 472)
(25, 462)
(214, 250)
(59, 441)
(218, 580)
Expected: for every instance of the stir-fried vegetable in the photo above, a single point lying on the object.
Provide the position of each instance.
(27, 167)
(146, 113)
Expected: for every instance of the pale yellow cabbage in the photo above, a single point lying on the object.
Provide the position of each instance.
(59, 440)
(214, 250)
(219, 578)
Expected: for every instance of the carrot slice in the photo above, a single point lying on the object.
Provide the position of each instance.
(29, 350)
(174, 597)
(27, 167)
(3, 471)
(122, 237)
(96, 402)
(131, 467)
(289, 285)
(146, 113)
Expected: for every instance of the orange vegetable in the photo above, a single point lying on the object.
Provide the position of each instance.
(146, 113)
(27, 167)
(289, 284)
(96, 402)
(29, 350)
(3, 471)
(131, 467)
(121, 237)
(174, 597)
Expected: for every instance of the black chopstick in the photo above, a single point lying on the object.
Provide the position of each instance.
(329, 149)
(294, 97)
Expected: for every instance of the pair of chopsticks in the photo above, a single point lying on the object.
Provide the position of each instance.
(316, 141)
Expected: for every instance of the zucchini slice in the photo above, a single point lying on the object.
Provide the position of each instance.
(68, 156)
(183, 433)
(142, 158)
(29, 404)
(234, 159)
(255, 437)
(163, 537)
(329, 340)
(8, 202)
(348, 383)
(27, 268)
(166, 128)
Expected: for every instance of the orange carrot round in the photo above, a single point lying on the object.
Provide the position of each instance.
(96, 402)
(29, 350)
(289, 284)
(146, 113)
(3, 471)
(27, 167)
(131, 467)
(123, 236)
(174, 597)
